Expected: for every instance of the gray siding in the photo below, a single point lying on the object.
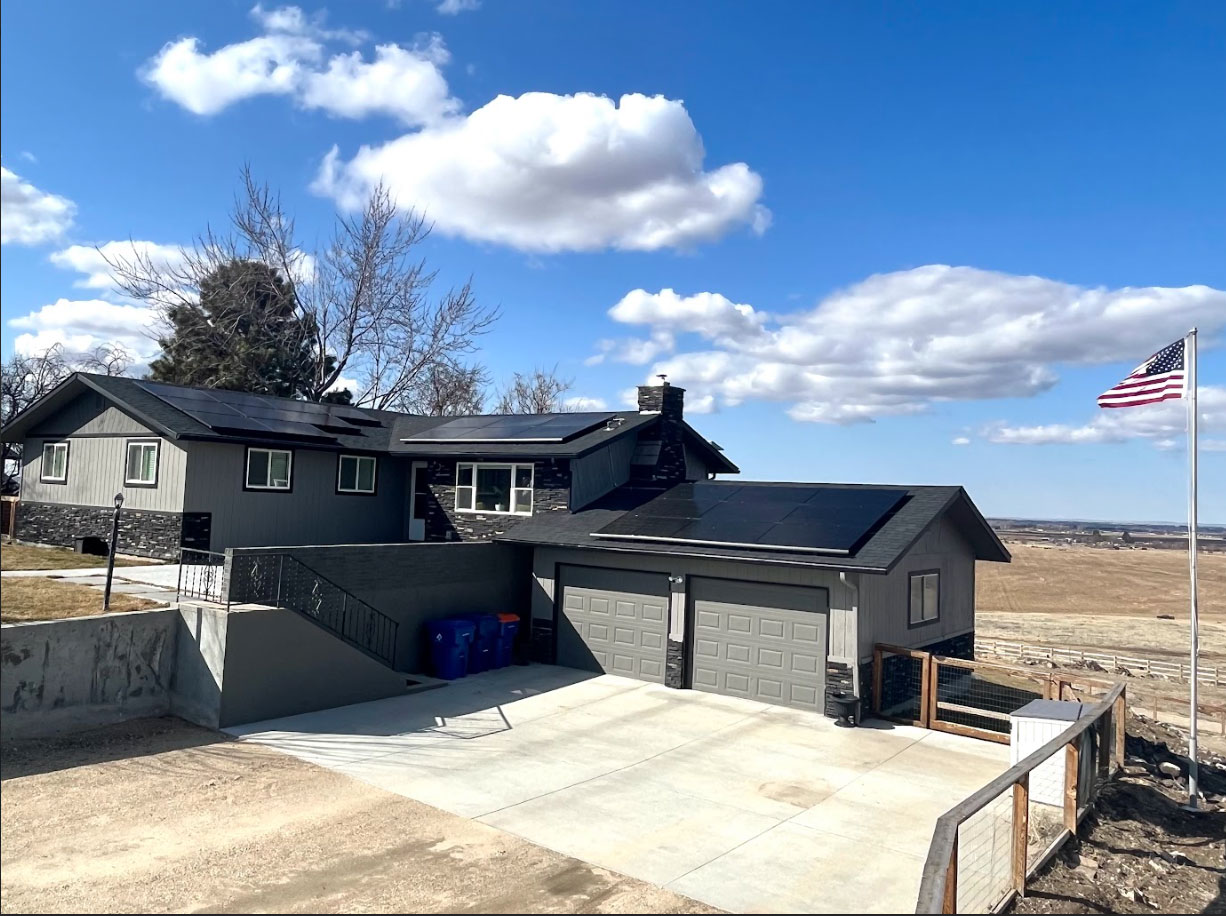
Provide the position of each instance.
(594, 475)
(311, 513)
(842, 613)
(89, 415)
(96, 472)
(884, 599)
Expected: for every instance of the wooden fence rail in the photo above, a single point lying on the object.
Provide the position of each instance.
(1214, 675)
(939, 885)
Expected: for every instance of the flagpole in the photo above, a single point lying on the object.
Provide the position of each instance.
(1193, 768)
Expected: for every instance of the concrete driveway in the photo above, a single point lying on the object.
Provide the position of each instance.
(741, 805)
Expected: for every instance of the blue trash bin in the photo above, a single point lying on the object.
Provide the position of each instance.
(485, 641)
(508, 626)
(450, 643)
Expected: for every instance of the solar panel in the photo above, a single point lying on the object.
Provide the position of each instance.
(525, 428)
(247, 414)
(817, 519)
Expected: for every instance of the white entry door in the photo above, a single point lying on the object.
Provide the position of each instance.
(419, 499)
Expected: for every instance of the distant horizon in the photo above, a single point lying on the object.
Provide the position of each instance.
(1102, 521)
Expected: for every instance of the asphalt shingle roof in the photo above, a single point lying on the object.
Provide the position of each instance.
(879, 554)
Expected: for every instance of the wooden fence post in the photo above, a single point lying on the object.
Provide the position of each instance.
(1072, 771)
(926, 675)
(1021, 832)
(934, 689)
(1119, 718)
(950, 902)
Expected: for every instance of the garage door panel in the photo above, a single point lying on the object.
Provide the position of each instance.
(762, 642)
(614, 621)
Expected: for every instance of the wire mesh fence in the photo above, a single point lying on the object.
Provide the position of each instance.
(973, 696)
(900, 684)
(985, 849)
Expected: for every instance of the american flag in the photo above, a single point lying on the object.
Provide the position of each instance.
(1159, 378)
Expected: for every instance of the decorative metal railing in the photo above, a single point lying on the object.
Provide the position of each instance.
(202, 575)
(283, 581)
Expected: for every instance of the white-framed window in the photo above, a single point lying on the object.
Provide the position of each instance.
(141, 464)
(355, 474)
(925, 601)
(54, 467)
(498, 488)
(269, 469)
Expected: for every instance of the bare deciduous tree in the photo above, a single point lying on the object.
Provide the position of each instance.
(366, 293)
(539, 391)
(26, 379)
(446, 390)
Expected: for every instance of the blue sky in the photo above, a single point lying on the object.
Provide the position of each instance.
(877, 242)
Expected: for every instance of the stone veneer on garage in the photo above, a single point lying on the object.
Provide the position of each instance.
(142, 532)
(550, 493)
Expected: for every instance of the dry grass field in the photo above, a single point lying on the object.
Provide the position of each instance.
(1090, 598)
(25, 556)
(36, 598)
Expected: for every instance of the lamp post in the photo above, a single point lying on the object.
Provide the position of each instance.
(110, 556)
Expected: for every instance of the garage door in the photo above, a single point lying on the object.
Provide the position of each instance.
(615, 621)
(762, 642)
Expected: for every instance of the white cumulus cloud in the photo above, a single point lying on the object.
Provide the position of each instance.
(81, 325)
(896, 343)
(292, 57)
(29, 216)
(961, 440)
(545, 173)
(1163, 424)
(582, 402)
(95, 262)
(455, 7)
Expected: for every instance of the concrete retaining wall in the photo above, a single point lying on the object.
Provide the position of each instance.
(66, 675)
(413, 583)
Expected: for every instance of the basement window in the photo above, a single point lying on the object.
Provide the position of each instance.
(268, 469)
(925, 596)
(503, 489)
(355, 474)
(54, 468)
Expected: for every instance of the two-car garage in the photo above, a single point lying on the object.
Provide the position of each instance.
(758, 640)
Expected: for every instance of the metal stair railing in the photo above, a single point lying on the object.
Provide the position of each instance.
(283, 581)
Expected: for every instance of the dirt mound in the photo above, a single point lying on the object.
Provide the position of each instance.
(1139, 850)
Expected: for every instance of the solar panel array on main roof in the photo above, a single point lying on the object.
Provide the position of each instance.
(835, 520)
(512, 428)
(237, 411)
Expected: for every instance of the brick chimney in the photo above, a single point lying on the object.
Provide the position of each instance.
(660, 454)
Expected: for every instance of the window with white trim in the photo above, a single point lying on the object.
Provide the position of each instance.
(355, 474)
(54, 467)
(925, 596)
(269, 468)
(504, 489)
(141, 466)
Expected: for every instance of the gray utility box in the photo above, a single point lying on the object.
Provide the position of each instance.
(1031, 727)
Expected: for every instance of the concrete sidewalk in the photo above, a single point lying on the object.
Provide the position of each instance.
(738, 804)
(154, 582)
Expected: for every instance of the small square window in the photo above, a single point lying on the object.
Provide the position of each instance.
(141, 467)
(925, 597)
(355, 474)
(268, 469)
(54, 468)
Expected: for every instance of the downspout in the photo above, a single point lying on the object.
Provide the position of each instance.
(854, 588)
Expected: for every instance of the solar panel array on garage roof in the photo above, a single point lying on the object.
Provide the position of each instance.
(543, 427)
(257, 415)
(816, 519)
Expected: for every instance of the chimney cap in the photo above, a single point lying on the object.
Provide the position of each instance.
(663, 380)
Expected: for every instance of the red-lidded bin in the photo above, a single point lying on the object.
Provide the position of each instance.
(508, 626)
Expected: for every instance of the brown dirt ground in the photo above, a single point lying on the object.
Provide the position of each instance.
(1092, 598)
(26, 556)
(1138, 851)
(158, 816)
(36, 598)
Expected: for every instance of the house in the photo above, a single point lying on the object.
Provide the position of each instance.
(638, 559)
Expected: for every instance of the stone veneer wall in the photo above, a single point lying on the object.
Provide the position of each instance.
(669, 402)
(550, 493)
(142, 532)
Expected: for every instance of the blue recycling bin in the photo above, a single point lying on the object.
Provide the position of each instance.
(508, 626)
(450, 643)
(485, 641)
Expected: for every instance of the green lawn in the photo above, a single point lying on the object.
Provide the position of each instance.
(22, 556)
